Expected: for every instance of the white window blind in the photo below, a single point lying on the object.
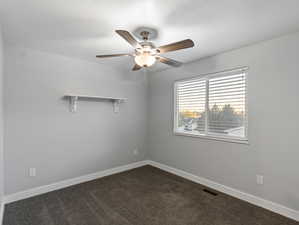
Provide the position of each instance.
(213, 106)
(191, 97)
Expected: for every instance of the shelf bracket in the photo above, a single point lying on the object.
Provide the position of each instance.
(116, 104)
(73, 103)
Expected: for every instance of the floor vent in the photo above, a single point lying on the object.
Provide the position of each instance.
(210, 192)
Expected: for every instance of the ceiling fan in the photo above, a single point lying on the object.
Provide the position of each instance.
(146, 53)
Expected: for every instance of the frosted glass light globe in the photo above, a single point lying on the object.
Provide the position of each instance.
(145, 59)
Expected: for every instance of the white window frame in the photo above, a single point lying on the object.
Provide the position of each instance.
(206, 135)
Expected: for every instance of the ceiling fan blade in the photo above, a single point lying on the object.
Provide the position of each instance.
(188, 43)
(136, 67)
(128, 37)
(113, 55)
(169, 62)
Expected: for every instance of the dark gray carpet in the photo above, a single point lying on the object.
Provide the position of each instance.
(143, 196)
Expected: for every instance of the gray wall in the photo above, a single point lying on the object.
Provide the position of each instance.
(40, 131)
(1, 117)
(273, 123)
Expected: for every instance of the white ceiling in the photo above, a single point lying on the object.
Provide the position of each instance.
(84, 28)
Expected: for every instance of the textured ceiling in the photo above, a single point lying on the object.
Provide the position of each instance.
(84, 28)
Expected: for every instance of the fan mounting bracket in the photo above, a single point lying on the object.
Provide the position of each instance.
(146, 33)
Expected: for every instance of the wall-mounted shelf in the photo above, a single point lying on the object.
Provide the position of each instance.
(75, 97)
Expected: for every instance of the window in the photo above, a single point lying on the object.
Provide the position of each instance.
(213, 106)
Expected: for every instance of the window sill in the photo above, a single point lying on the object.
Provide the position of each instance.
(210, 137)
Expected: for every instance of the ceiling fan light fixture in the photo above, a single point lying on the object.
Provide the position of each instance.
(145, 59)
(146, 53)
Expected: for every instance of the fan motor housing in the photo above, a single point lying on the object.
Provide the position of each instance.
(147, 47)
(147, 44)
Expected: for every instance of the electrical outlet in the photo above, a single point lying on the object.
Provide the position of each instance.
(136, 151)
(260, 179)
(32, 172)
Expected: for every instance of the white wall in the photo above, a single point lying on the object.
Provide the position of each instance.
(273, 123)
(1, 118)
(40, 131)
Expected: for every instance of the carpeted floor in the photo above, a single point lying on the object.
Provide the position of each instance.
(143, 196)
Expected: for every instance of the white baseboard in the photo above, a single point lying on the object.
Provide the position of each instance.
(277, 208)
(1, 211)
(66, 183)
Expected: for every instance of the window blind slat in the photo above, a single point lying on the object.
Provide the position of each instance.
(223, 95)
